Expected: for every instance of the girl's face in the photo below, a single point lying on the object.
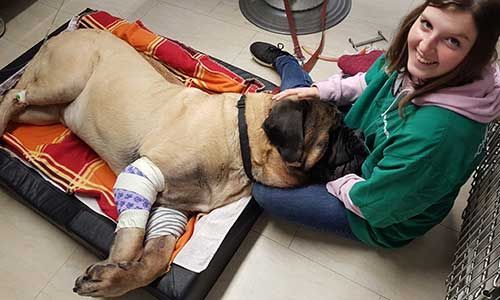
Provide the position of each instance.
(438, 42)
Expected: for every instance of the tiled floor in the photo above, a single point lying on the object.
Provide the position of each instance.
(277, 260)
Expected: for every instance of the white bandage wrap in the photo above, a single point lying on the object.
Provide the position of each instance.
(132, 218)
(165, 221)
(135, 191)
(21, 96)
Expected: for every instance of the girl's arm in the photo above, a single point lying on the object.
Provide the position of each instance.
(341, 90)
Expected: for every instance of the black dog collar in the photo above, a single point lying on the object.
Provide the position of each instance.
(244, 143)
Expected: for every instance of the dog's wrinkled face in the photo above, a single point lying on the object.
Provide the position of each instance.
(311, 139)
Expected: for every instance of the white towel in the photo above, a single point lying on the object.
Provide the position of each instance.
(209, 232)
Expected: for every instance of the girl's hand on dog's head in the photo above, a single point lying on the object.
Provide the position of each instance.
(297, 94)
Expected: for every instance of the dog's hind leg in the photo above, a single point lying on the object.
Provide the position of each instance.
(39, 115)
(47, 92)
(52, 77)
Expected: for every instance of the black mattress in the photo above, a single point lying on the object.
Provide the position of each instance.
(96, 232)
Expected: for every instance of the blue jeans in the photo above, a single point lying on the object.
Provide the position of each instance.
(313, 205)
(291, 73)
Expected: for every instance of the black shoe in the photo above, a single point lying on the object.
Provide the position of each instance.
(266, 54)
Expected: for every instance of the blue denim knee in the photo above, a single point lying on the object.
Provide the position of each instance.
(291, 73)
(312, 206)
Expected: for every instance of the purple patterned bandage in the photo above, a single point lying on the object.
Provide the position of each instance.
(133, 170)
(126, 200)
(136, 189)
(129, 200)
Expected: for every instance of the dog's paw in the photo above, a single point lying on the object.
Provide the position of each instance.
(106, 280)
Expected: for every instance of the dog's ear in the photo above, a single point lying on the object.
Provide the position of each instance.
(284, 128)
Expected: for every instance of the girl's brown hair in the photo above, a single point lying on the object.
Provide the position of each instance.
(486, 17)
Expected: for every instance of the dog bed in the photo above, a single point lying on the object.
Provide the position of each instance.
(94, 230)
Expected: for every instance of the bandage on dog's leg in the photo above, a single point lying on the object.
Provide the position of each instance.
(21, 96)
(129, 264)
(135, 191)
(165, 221)
(13, 102)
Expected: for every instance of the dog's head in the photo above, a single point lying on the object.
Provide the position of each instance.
(345, 154)
(311, 139)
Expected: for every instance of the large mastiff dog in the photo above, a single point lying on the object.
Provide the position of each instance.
(115, 101)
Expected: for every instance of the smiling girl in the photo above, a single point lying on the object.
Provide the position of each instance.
(424, 109)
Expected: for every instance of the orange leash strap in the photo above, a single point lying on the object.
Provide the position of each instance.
(309, 65)
(293, 32)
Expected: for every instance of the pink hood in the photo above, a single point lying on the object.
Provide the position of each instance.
(479, 100)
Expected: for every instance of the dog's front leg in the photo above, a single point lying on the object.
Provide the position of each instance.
(127, 245)
(109, 279)
(129, 266)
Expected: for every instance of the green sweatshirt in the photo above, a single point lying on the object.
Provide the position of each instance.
(416, 164)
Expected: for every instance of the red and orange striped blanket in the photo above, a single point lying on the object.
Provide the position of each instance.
(70, 163)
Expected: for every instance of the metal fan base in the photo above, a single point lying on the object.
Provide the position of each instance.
(269, 18)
